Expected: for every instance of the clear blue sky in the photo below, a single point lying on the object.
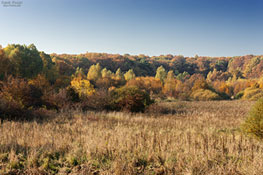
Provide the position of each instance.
(151, 27)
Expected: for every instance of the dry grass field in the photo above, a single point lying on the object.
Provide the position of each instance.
(200, 138)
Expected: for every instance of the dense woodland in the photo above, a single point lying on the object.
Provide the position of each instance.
(32, 79)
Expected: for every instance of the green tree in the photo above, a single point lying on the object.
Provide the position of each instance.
(129, 75)
(161, 73)
(170, 84)
(49, 68)
(183, 76)
(6, 67)
(106, 73)
(94, 72)
(119, 75)
(170, 75)
(110, 74)
(79, 73)
(26, 60)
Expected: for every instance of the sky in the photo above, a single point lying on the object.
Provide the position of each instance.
(150, 27)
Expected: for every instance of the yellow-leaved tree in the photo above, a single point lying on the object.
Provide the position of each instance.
(169, 87)
(129, 75)
(94, 72)
(82, 86)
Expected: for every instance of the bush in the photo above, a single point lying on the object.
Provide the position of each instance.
(22, 93)
(252, 93)
(65, 98)
(19, 100)
(99, 101)
(205, 95)
(253, 124)
(130, 98)
(239, 95)
(11, 110)
(72, 95)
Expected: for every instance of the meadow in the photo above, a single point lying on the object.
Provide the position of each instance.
(194, 138)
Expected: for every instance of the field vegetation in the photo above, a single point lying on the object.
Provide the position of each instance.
(177, 138)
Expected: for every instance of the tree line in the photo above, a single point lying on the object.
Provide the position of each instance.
(51, 80)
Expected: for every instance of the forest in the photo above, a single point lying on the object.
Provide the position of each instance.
(96, 113)
(32, 79)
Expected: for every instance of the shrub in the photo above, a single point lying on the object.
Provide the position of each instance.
(253, 124)
(205, 95)
(20, 100)
(239, 95)
(22, 93)
(72, 95)
(11, 110)
(252, 93)
(130, 98)
(65, 98)
(99, 101)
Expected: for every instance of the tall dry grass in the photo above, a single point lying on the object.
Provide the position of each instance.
(201, 138)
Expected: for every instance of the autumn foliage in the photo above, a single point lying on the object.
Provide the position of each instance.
(32, 80)
(130, 98)
(253, 124)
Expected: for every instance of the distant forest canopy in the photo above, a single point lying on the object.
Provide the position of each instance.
(197, 78)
